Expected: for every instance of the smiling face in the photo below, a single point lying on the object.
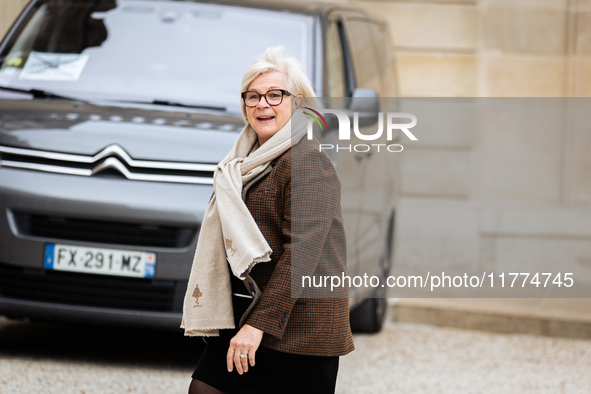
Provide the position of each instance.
(266, 120)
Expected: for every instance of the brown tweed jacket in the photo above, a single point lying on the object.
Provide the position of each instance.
(311, 326)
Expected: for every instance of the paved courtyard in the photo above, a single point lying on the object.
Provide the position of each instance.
(403, 358)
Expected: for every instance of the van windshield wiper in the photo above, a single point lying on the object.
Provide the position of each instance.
(37, 93)
(173, 104)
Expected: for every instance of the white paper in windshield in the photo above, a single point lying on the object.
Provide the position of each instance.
(53, 66)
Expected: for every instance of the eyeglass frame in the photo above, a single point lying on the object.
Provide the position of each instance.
(283, 93)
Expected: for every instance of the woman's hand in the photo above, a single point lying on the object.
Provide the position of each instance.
(247, 341)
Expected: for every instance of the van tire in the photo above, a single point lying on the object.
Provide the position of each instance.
(368, 317)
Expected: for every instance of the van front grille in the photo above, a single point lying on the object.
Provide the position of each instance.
(91, 290)
(111, 232)
(113, 158)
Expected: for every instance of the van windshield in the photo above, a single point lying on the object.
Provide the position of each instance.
(134, 50)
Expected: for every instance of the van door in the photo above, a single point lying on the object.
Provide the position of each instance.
(376, 177)
(338, 84)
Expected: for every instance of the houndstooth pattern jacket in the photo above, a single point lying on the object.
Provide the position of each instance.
(297, 206)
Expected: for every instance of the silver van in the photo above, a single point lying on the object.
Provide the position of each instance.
(113, 116)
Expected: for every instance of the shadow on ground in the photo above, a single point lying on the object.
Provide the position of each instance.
(99, 344)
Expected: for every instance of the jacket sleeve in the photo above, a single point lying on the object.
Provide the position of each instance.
(312, 201)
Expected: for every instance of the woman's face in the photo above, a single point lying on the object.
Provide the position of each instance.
(266, 120)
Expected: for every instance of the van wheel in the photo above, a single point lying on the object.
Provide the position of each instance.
(368, 317)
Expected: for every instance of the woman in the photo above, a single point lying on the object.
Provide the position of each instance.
(264, 337)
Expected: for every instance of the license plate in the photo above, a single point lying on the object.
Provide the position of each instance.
(100, 261)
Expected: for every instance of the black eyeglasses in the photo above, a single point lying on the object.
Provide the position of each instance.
(273, 97)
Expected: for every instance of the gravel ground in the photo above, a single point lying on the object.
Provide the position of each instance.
(412, 358)
(404, 358)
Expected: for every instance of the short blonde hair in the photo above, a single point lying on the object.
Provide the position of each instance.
(274, 60)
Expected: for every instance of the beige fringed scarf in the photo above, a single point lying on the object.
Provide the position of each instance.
(229, 230)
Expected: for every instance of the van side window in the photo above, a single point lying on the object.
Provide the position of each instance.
(363, 52)
(335, 61)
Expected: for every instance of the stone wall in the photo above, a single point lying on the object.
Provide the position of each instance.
(9, 11)
(490, 48)
(502, 195)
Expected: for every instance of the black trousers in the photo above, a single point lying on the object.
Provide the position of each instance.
(274, 371)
